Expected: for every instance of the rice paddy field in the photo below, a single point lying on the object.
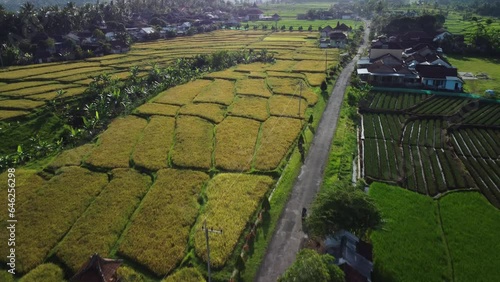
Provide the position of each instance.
(211, 149)
(453, 237)
(26, 89)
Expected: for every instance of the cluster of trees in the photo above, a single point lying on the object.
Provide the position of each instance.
(33, 28)
(341, 207)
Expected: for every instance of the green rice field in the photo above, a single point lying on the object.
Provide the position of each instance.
(451, 238)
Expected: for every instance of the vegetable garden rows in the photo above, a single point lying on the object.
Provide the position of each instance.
(211, 149)
(431, 144)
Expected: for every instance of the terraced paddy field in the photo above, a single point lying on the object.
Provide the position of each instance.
(26, 89)
(211, 149)
(432, 144)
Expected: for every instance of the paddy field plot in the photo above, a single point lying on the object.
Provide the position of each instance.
(193, 143)
(115, 145)
(151, 151)
(209, 111)
(158, 235)
(71, 192)
(227, 193)
(105, 218)
(235, 141)
(250, 107)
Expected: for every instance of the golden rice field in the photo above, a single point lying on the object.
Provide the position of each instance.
(227, 193)
(39, 83)
(193, 143)
(51, 213)
(151, 151)
(157, 237)
(115, 145)
(250, 107)
(235, 140)
(100, 226)
(194, 152)
(278, 134)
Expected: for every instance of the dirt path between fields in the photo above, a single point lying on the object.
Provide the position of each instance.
(288, 234)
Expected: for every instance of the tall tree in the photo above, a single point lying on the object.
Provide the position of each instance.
(311, 266)
(343, 207)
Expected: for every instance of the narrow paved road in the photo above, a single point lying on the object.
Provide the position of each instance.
(288, 235)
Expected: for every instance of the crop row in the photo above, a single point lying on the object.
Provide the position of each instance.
(431, 171)
(226, 194)
(478, 143)
(440, 106)
(383, 126)
(382, 159)
(486, 115)
(486, 174)
(212, 112)
(51, 212)
(425, 132)
(99, 228)
(158, 235)
(182, 94)
(395, 101)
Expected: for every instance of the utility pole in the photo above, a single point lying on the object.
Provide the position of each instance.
(300, 95)
(208, 245)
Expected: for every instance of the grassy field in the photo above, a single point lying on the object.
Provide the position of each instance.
(445, 236)
(476, 65)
